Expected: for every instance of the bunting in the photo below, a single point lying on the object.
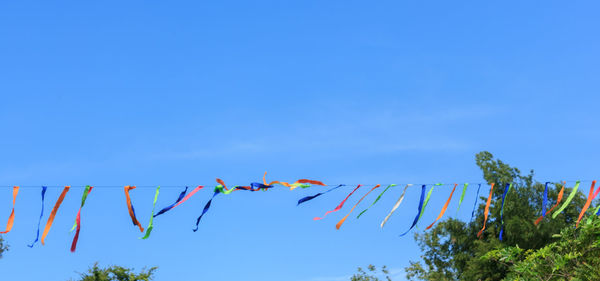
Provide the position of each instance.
(566, 203)
(131, 209)
(591, 196)
(311, 197)
(376, 199)
(339, 206)
(462, 196)
(77, 224)
(40, 220)
(419, 210)
(486, 211)
(398, 202)
(558, 199)
(53, 213)
(150, 224)
(11, 218)
(339, 224)
(506, 190)
(443, 208)
(475, 204)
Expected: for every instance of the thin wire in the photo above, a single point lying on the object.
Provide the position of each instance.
(212, 185)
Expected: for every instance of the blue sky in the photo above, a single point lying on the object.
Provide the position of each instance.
(179, 93)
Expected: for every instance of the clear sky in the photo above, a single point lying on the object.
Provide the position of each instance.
(177, 93)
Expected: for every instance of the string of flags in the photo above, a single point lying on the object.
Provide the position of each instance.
(222, 188)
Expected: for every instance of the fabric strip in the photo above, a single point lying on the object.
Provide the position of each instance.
(419, 209)
(395, 205)
(566, 203)
(168, 208)
(427, 198)
(486, 211)
(506, 190)
(311, 197)
(339, 206)
(462, 196)
(475, 204)
(53, 213)
(87, 191)
(131, 209)
(444, 208)
(189, 195)
(11, 218)
(150, 225)
(339, 224)
(376, 199)
(558, 199)
(591, 196)
(206, 207)
(40, 220)
(545, 199)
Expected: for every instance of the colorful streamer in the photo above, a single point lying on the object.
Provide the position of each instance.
(564, 205)
(419, 209)
(11, 218)
(189, 195)
(486, 211)
(150, 225)
(131, 209)
(506, 190)
(427, 198)
(545, 199)
(53, 213)
(475, 204)
(87, 191)
(206, 207)
(339, 224)
(591, 196)
(303, 183)
(395, 206)
(311, 197)
(168, 208)
(444, 208)
(40, 220)
(376, 199)
(462, 196)
(558, 199)
(339, 206)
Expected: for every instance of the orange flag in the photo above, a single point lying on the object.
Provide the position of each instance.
(53, 213)
(444, 208)
(587, 203)
(487, 211)
(11, 219)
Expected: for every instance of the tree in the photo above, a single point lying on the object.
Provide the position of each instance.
(3, 246)
(371, 275)
(575, 256)
(116, 273)
(451, 250)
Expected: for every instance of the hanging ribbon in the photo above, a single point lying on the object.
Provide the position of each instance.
(545, 199)
(462, 196)
(53, 213)
(339, 224)
(475, 204)
(189, 195)
(506, 190)
(303, 183)
(564, 205)
(11, 218)
(339, 206)
(444, 208)
(376, 199)
(486, 211)
(222, 188)
(419, 209)
(87, 190)
(427, 198)
(311, 197)
(39, 221)
(395, 206)
(168, 208)
(131, 209)
(558, 199)
(150, 225)
(591, 196)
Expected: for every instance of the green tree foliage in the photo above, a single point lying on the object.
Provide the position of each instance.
(3, 246)
(116, 273)
(371, 275)
(575, 256)
(451, 250)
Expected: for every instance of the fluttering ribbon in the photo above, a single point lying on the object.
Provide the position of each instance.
(39, 221)
(486, 211)
(189, 195)
(340, 205)
(150, 225)
(303, 183)
(339, 224)
(419, 210)
(168, 208)
(53, 213)
(131, 209)
(545, 199)
(398, 202)
(444, 208)
(591, 196)
(558, 199)
(218, 189)
(11, 218)
(566, 203)
(427, 198)
(311, 197)
(376, 199)
(462, 196)
(87, 191)
(506, 190)
(475, 204)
